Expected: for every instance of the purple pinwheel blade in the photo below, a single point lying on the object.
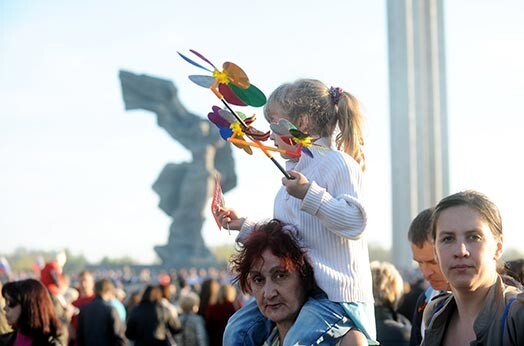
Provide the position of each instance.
(203, 58)
(218, 120)
(193, 62)
(203, 81)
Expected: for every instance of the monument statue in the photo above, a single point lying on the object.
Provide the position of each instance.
(183, 187)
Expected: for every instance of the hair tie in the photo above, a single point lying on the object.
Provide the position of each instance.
(335, 94)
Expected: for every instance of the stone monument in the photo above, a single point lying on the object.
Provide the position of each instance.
(183, 187)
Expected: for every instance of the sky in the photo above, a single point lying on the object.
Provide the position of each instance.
(76, 169)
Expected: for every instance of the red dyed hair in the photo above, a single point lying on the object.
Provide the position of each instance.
(37, 317)
(282, 243)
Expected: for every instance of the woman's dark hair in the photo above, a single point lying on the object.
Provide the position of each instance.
(280, 239)
(475, 200)
(152, 294)
(38, 318)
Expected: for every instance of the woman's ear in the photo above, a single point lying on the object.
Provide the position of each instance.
(500, 247)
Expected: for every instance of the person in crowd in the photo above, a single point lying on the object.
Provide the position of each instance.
(193, 326)
(208, 295)
(53, 278)
(393, 329)
(117, 303)
(168, 293)
(468, 238)
(98, 321)
(86, 294)
(515, 269)
(30, 312)
(151, 323)
(4, 326)
(218, 314)
(419, 236)
(322, 199)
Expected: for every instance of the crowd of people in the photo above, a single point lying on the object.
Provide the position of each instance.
(304, 277)
(108, 307)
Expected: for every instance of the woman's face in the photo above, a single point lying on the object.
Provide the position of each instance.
(278, 292)
(12, 311)
(466, 248)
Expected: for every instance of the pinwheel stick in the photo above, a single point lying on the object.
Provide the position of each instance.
(244, 125)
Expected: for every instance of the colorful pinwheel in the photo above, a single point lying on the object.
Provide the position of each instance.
(232, 131)
(290, 134)
(231, 84)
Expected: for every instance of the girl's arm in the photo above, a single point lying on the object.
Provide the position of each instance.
(333, 197)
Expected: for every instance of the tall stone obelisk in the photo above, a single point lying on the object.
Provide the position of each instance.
(419, 137)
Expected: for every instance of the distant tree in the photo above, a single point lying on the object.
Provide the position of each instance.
(378, 253)
(116, 262)
(512, 254)
(223, 252)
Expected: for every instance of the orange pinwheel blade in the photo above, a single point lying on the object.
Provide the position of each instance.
(236, 75)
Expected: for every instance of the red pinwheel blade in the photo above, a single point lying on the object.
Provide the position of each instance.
(229, 95)
(288, 140)
(193, 62)
(203, 58)
(203, 81)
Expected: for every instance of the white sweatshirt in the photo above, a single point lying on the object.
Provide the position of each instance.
(330, 221)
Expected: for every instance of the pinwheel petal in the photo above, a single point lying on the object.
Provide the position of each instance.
(225, 132)
(307, 152)
(193, 62)
(236, 75)
(282, 127)
(228, 116)
(202, 57)
(299, 134)
(230, 96)
(203, 81)
(251, 96)
(217, 119)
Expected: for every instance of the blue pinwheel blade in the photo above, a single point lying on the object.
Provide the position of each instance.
(225, 132)
(193, 62)
(203, 81)
(307, 152)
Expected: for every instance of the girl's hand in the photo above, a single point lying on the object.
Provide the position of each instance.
(296, 187)
(229, 219)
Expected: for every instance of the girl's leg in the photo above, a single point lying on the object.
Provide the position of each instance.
(247, 327)
(320, 322)
(354, 338)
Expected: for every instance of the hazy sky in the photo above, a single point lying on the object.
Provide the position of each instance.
(76, 170)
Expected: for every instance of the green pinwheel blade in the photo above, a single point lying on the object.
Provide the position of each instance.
(251, 96)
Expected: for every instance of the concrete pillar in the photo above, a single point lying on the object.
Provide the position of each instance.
(418, 114)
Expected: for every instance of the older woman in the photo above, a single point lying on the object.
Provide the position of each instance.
(467, 231)
(274, 269)
(30, 312)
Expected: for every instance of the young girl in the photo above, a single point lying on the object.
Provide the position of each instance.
(323, 202)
